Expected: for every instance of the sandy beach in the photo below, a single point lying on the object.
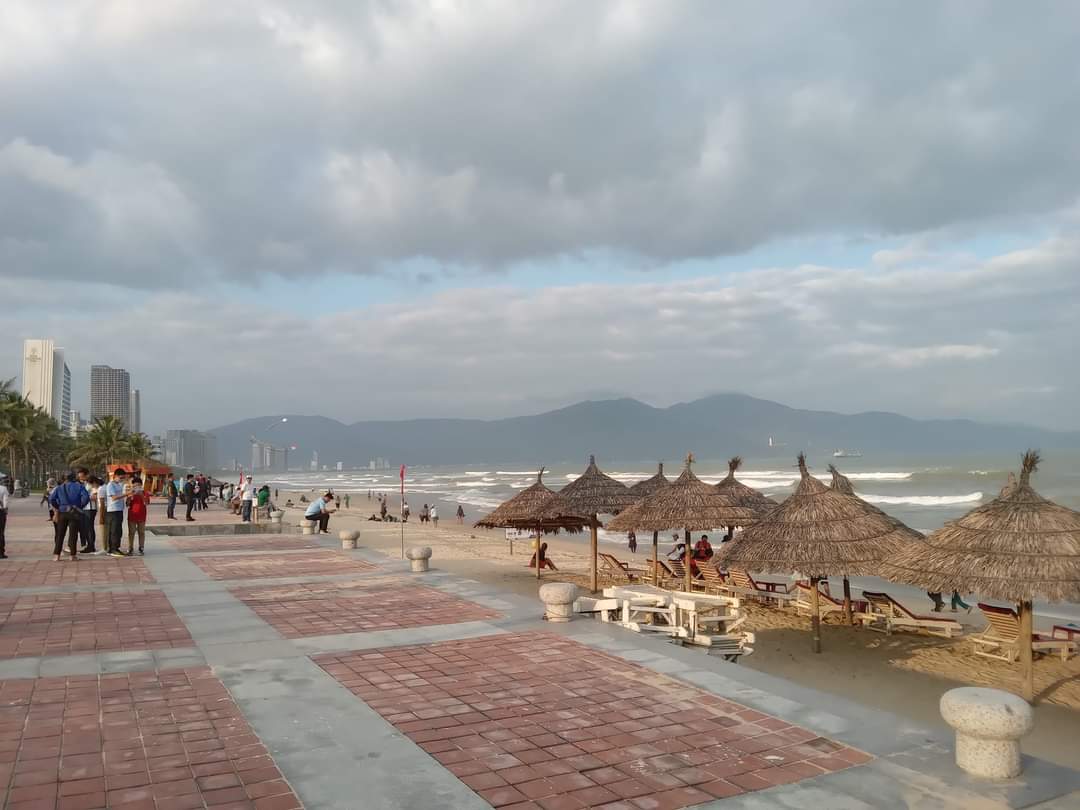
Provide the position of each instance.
(903, 673)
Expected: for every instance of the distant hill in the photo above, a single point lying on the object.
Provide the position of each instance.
(628, 430)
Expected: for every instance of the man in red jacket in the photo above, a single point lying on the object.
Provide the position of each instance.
(138, 500)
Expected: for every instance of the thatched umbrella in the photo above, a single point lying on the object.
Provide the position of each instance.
(1019, 547)
(642, 489)
(841, 483)
(815, 532)
(742, 494)
(593, 493)
(689, 504)
(536, 508)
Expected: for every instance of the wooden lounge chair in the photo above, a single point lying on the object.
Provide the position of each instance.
(678, 570)
(885, 614)
(827, 603)
(1066, 632)
(616, 568)
(663, 573)
(710, 581)
(742, 582)
(1001, 639)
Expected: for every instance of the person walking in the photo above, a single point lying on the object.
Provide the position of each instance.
(957, 602)
(189, 496)
(4, 498)
(138, 501)
(247, 498)
(935, 597)
(114, 512)
(460, 514)
(68, 500)
(204, 492)
(433, 515)
(172, 493)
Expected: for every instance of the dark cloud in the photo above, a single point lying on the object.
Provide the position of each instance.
(147, 140)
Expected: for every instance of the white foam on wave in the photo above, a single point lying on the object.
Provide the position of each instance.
(471, 472)
(476, 484)
(922, 500)
(512, 472)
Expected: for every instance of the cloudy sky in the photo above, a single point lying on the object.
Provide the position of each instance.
(397, 209)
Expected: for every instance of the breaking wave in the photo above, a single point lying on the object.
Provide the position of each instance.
(922, 500)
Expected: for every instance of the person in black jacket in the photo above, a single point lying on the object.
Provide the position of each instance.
(189, 495)
(171, 492)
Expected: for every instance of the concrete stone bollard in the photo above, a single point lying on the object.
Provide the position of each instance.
(418, 558)
(558, 599)
(348, 538)
(308, 527)
(989, 724)
(276, 516)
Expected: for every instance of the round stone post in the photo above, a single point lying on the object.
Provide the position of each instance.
(348, 538)
(276, 516)
(307, 527)
(989, 724)
(418, 558)
(558, 599)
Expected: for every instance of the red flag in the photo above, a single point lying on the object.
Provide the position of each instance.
(402, 476)
(241, 484)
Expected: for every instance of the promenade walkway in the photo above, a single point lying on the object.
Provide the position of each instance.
(274, 672)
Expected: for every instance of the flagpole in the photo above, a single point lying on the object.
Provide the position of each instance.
(402, 510)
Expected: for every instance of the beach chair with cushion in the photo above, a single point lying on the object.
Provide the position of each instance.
(615, 568)
(885, 614)
(1001, 638)
(742, 582)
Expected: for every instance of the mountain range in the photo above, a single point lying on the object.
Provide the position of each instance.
(628, 430)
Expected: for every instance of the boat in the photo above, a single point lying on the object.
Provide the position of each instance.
(846, 454)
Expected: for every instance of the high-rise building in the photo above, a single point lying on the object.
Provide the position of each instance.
(110, 394)
(134, 412)
(314, 459)
(268, 457)
(191, 448)
(46, 380)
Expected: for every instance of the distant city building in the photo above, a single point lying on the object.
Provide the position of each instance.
(110, 394)
(134, 412)
(268, 458)
(158, 443)
(379, 463)
(191, 448)
(46, 380)
(76, 425)
(314, 459)
(340, 466)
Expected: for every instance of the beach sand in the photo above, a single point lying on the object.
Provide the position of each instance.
(903, 673)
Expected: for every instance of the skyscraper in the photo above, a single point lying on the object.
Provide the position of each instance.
(191, 448)
(134, 412)
(110, 394)
(46, 379)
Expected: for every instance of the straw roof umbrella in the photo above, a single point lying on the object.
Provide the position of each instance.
(535, 508)
(841, 483)
(815, 532)
(1018, 547)
(742, 494)
(642, 489)
(593, 493)
(688, 503)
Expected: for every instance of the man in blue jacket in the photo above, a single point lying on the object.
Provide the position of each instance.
(68, 500)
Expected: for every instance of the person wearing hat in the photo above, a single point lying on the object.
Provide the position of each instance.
(247, 498)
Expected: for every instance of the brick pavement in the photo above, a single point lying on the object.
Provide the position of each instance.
(87, 570)
(325, 608)
(261, 566)
(189, 545)
(535, 721)
(34, 624)
(172, 740)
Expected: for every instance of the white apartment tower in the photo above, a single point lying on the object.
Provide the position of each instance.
(46, 379)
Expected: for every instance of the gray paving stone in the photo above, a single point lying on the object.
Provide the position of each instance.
(53, 666)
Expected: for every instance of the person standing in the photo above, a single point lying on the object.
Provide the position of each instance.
(460, 514)
(247, 497)
(114, 512)
(68, 500)
(433, 515)
(172, 493)
(189, 496)
(89, 539)
(4, 496)
(138, 501)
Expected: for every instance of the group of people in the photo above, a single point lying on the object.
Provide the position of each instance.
(74, 507)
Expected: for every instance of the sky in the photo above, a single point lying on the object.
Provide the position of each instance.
(399, 209)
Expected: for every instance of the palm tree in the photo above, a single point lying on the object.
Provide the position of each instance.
(139, 448)
(104, 443)
(29, 435)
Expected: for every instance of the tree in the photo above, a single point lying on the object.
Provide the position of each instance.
(103, 444)
(138, 448)
(30, 437)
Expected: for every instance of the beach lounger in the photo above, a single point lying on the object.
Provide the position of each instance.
(742, 582)
(885, 614)
(678, 570)
(827, 603)
(663, 575)
(1067, 632)
(615, 568)
(710, 581)
(1001, 639)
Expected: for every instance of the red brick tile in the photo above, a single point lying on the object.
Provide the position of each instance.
(720, 788)
(749, 781)
(256, 566)
(502, 796)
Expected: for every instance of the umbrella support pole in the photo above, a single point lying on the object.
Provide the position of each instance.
(847, 602)
(1026, 633)
(593, 541)
(689, 559)
(655, 559)
(815, 614)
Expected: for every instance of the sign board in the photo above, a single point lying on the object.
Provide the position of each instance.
(521, 534)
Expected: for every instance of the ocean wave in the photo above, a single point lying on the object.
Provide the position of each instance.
(513, 472)
(922, 500)
(985, 472)
(470, 472)
(476, 484)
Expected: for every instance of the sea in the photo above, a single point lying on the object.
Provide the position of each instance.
(923, 491)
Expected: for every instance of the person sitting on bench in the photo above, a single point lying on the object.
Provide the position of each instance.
(544, 561)
(319, 511)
